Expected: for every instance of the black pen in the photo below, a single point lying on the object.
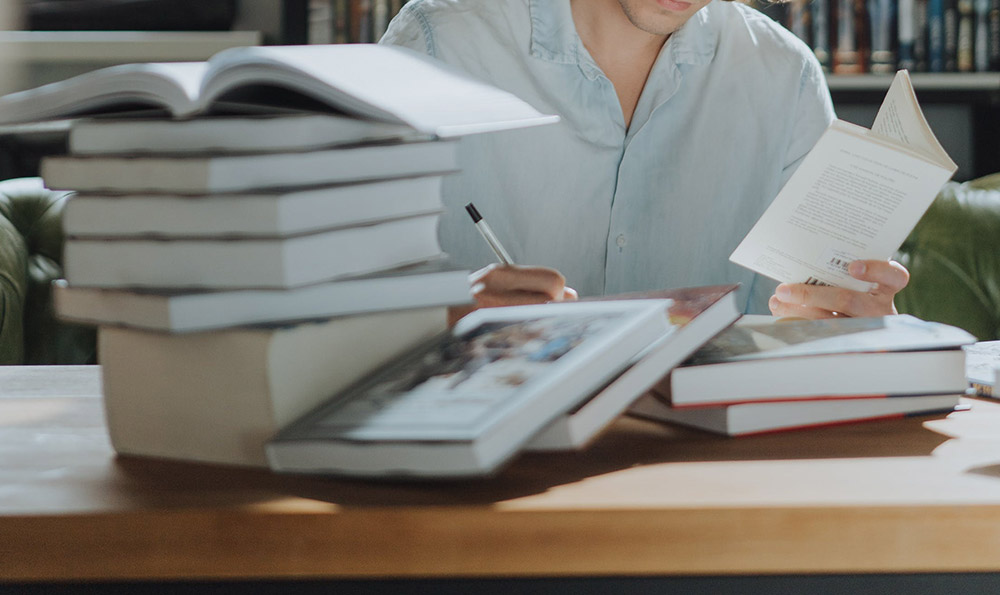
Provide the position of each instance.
(488, 235)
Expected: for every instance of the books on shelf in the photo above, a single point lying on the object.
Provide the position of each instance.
(696, 314)
(219, 396)
(224, 172)
(464, 404)
(856, 195)
(261, 212)
(385, 83)
(266, 133)
(982, 367)
(416, 286)
(276, 262)
(754, 418)
(768, 359)
(881, 36)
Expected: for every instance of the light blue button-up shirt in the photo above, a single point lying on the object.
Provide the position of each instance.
(732, 104)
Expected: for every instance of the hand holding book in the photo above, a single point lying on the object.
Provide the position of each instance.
(804, 300)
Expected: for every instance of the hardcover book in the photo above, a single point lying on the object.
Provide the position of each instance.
(261, 213)
(266, 262)
(696, 315)
(466, 403)
(982, 367)
(416, 286)
(207, 173)
(756, 418)
(762, 358)
(217, 397)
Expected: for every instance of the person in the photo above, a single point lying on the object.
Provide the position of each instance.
(680, 121)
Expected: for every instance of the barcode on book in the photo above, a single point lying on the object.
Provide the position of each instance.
(815, 281)
(838, 263)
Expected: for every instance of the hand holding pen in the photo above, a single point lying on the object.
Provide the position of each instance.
(508, 284)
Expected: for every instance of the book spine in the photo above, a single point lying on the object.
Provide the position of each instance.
(935, 35)
(320, 22)
(981, 37)
(994, 34)
(798, 21)
(361, 21)
(920, 35)
(820, 13)
(950, 35)
(380, 18)
(341, 21)
(966, 50)
(881, 18)
(906, 35)
(847, 53)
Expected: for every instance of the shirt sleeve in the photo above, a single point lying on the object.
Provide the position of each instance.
(410, 29)
(814, 115)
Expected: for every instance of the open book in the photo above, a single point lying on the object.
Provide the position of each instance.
(856, 196)
(388, 84)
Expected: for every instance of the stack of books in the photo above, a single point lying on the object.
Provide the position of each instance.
(245, 258)
(765, 374)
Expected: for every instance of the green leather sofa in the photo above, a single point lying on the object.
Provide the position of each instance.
(30, 257)
(953, 256)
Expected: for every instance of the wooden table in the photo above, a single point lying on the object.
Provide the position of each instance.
(900, 496)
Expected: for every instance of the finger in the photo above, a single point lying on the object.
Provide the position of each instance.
(834, 299)
(569, 293)
(513, 278)
(492, 299)
(889, 276)
(779, 308)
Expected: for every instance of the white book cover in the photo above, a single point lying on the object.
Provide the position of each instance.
(386, 83)
(228, 134)
(250, 262)
(254, 213)
(465, 404)
(208, 174)
(217, 397)
(415, 286)
(855, 196)
(755, 418)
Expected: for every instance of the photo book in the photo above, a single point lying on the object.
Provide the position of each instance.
(465, 403)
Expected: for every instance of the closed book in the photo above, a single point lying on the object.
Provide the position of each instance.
(227, 134)
(217, 397)
(696, 315)
(217, 173)
(820, 18)
(756, 418)
(906, 35)
(277, 262)
(982, 367)
(465, 404)
(386, 83)
(882, 26)
(415, 286)
(254, 213)
(936, 51)
(768, 359)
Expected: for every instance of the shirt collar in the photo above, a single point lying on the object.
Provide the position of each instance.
(554, 37)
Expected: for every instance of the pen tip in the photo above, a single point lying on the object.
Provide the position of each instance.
(473, 212)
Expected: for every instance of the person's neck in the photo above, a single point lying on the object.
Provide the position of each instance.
(610, 36)
(624, 52)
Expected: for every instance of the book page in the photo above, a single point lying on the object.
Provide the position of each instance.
(901, 119)
(855, 196)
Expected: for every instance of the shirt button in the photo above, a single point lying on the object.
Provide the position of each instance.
(620, 240)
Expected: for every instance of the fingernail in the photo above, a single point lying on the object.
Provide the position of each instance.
(783, 292)
(856, 268)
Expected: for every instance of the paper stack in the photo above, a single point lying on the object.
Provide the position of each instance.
(245, 257)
